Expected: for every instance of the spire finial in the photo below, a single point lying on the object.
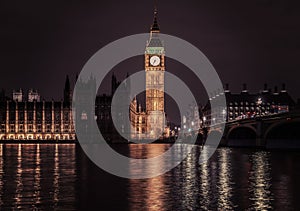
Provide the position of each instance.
(155, 27)
(155, 7)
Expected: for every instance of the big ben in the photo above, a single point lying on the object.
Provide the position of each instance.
(154, 68)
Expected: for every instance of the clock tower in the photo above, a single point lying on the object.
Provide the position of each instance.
(155, 67)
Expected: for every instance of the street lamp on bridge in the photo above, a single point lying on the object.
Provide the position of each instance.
(258, 103)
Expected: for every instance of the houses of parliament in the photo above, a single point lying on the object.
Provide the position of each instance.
(30, 118)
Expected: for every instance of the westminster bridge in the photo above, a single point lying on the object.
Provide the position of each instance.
(271, 131)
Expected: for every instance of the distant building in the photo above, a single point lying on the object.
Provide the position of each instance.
(191, 120)
(248, 105)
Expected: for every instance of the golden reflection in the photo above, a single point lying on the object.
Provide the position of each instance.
(37, 176)
(25, 185)
(67, 162)
(204, 181)
(72, 169)
(144, 151)
(154, 196)
(1, 174)
(19, 188)
(260, 181)
(188, 181)
(56, 175)
(147, 194)
(224, 183)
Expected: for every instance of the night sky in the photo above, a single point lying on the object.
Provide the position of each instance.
(253, 42)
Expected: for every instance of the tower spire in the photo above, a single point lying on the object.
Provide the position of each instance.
(67, 90)
(155, 27)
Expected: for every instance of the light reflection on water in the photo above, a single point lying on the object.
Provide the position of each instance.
(59, 176)
(1, 174)
(225, 181)
(27, 171)
(204, 178)
(260, 181)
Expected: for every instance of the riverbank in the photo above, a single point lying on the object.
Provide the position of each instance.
(235, 143)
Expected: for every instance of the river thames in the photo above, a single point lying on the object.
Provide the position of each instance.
(60, 176)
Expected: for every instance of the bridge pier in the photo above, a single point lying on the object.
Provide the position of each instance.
(260, 142)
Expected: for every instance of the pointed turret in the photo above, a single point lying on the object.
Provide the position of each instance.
(128, 84)
(114, 84)
(67, 90)
(67, 83)
(76, 78)
(154, 40)
(155, 27)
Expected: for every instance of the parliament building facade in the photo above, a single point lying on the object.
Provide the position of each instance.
(29, 118)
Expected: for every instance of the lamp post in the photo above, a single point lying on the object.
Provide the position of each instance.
(224, 113)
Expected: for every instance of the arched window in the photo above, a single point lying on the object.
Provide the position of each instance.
(84, 116)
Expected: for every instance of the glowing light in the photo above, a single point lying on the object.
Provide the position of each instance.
(259, 101)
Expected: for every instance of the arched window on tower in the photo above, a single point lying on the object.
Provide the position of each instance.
(155, 105)
(84, 116)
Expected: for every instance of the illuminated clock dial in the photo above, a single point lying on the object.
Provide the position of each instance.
(154, 60)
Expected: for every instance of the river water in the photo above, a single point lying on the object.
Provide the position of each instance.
(61, 177)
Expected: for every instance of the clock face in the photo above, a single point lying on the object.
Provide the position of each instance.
(154, 60)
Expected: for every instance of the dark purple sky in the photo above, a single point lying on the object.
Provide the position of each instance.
(253, 42)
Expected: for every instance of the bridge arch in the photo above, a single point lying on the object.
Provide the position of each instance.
(285, 129)
(242, 132)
